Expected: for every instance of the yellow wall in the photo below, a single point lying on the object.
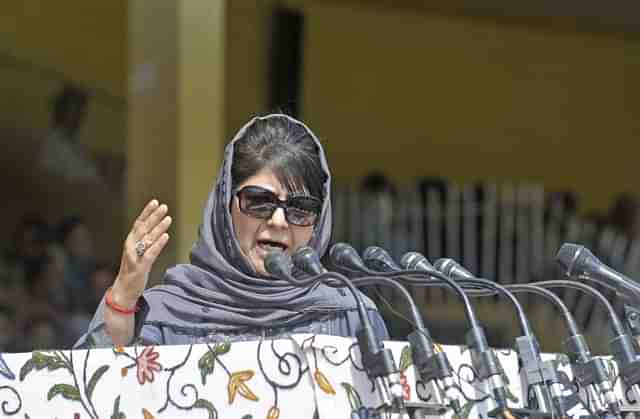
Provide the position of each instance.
(473, 99)
(42, 44)
(247, 61)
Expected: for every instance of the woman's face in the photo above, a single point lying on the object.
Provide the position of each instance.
(258, 237)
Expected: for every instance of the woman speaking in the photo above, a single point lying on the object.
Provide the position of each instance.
(272, 193)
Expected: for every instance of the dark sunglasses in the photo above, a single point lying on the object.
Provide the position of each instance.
(299, 210)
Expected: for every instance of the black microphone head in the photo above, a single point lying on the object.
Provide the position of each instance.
(378, 259)
(414, 261)
(452, 269)
(307, 260)
(345, 256)
(278, 264)
(576, 260)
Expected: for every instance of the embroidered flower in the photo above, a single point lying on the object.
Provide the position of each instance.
(406, 388)
(147, 364)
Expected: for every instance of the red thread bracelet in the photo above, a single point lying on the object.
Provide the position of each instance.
(115, 307)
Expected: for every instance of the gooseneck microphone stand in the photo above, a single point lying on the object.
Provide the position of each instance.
(419, 272)
(539, 375)
(622, 347)
(432, 366)
(376, 359)
(589, 371)
(483, 358)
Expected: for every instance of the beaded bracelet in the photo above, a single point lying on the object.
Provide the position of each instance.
(115, 307)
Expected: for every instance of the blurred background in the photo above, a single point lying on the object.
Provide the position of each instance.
(490, 134)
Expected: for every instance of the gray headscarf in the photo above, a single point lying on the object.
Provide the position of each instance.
(219, 289)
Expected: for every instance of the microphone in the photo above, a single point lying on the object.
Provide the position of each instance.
(453, 269)
(377, 360)
(278, 264)
(344, 256)
(577, 261)
(378, 259)
(307, 260)
(414, 261)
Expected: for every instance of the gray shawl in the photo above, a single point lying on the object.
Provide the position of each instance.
(219, 289)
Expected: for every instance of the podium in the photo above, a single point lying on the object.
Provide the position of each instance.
(303, 376)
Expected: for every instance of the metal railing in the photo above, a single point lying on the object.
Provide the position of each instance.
(507, 233)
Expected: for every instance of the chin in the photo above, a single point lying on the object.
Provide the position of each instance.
(259, 267)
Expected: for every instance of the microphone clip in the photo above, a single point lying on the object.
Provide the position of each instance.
(380, 365)
(632, 316)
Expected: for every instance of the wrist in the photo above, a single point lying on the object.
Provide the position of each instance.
(121, 298)
(128, 311)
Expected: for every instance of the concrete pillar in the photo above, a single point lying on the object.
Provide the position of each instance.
(176, 113)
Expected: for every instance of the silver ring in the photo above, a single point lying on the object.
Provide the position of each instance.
(141, 247)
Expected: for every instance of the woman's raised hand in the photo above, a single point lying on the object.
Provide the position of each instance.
(142, 247)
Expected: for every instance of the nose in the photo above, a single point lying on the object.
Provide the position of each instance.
(278, 219)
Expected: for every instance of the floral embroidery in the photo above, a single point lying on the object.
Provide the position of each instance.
(274, 413)
(406, 361)
(237, 385)
(147, 364)
(323, 382)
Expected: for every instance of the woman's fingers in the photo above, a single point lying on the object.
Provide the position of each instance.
(148, 228)
(138, 224)
(159, 228)
(152, 253)
(142, 247)
(155, 218)
(148, 220)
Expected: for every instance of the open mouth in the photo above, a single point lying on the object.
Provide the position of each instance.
(271, 246)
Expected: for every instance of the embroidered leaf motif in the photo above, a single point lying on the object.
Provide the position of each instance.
(117, 414)
(464, 413)
(274, 413)
(206, 364)
(352, 395)
(323, 382)
(26, 369)
(206, 404)
(146, 414)
(39, 361)
(246, 392)
(65, 390)
(94, 380)
(405, 358)
(90, 342)
(237, 386)
(223, 348)
(510, 395)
